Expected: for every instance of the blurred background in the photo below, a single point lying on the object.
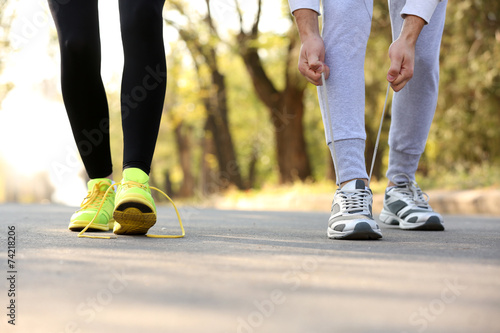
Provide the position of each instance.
(238, 117)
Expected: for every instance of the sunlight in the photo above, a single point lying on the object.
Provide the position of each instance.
(35, 136)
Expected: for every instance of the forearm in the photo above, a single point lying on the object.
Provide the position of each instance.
(412, 27)
(307, 23)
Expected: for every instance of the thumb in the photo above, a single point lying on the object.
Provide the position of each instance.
(314, 63)
(394, 70)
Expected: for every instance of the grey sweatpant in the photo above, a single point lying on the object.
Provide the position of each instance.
(346, 28)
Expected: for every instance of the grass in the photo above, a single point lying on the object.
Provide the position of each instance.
(480, 177)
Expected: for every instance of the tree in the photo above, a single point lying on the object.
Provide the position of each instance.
(204, 56)
(466, 132)
(286, 106)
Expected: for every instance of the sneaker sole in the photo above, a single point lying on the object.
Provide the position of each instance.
(133, 218)
(432, 224)
(362, 231)
(80, 225)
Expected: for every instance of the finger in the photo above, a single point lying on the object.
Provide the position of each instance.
(394, 70)
(404, 76)
(314, 77)
(399, 80)
(396, 63)
(315, 82)
(311, 75)
(400, 84)
(315, 72)
(326, 70)
(314, 62)
(395, 87)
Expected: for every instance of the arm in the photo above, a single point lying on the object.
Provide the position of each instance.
(402, 52)
(312, 51)
(420, 8)
(416, 14)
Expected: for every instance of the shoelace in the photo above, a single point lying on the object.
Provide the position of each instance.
(412, 190)
(131, 182)
(81, 234)
(355, 201)
(93, 197)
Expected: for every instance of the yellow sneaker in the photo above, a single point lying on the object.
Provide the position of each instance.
(88, 209)
(135, 210)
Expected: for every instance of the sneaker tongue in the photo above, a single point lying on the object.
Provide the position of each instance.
(136, 175)
(92, 183)
(356, 184)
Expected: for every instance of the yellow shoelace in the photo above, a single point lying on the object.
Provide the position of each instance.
(81, 234)
(93, 197)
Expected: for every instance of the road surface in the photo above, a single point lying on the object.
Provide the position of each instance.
(248, 271)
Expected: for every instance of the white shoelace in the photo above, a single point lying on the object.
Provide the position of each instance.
(412, 191)
(356, 201)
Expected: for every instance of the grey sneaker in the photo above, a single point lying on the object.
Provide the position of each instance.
(409, 207)
(352, 213)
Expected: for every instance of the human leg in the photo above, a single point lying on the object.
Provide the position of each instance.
(405, 204)
(346, 28)
(144, 79)
(143, 93)
(413, 107)
(83, 92)
(84, 97)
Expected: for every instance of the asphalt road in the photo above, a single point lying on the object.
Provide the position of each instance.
(248, 271)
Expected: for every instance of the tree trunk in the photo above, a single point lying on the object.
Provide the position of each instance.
(218, 124)
(217, 109)
(209, 180)
(168, 186)
(292, 156)
(286, 108)
(252, 169)
(185, 158)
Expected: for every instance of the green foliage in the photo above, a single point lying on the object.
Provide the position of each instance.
(182, 105)
(465, 136)
(466, 130)
(319, 154)
(463, 149)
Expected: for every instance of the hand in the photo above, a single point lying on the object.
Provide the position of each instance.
(402, 55)
(311, 60)
(312, 50)
(402, 52)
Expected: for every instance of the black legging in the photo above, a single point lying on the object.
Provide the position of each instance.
(143, 82)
